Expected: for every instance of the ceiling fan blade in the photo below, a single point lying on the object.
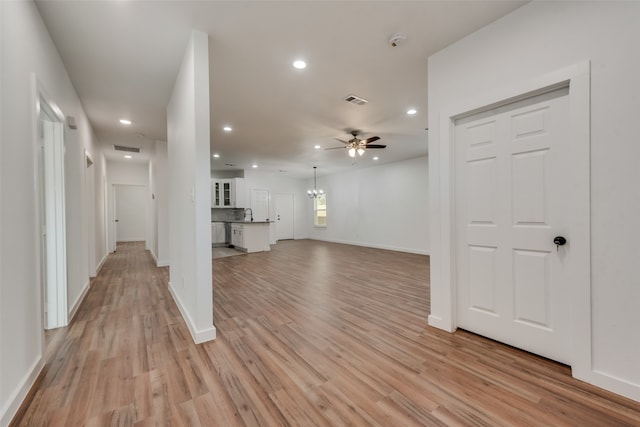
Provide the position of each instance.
(368, 140)
(338, 139)
(375, 146)
(335, 148)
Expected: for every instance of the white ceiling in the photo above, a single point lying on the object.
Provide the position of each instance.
(123, 57)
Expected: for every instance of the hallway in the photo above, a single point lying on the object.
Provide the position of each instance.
(305, 337)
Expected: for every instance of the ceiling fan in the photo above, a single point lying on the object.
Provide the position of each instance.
(356, 145)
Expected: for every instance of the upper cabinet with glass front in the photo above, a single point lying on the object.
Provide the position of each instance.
(227, 193)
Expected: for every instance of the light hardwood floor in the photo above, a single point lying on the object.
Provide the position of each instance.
(309, 334)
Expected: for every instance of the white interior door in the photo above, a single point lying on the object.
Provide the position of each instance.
(130, 212)
(54, 221)
(514, 185)
(91, 213)
(284, 216)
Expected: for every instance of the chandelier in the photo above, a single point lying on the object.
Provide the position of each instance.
(315, 192)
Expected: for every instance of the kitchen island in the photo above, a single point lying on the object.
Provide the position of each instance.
(250, 236)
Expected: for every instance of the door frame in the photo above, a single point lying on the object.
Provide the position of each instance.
(54, 311)
(444, 295)
(90, 203)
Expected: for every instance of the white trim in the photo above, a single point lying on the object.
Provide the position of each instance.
(372, 245)
(159, 263)
(153, 255)
(101, 263)
(608, 382)
(20, 393)
(40, 94)
(444, 318)
(199, 336)
(76, 305)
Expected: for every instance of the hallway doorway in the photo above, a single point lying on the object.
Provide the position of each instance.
(53, 260)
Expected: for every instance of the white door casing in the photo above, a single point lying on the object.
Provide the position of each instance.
(284, 216)
(54, 236)
(443, 225)
(513, 196)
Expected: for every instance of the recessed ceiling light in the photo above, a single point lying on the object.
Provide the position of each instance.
(411, 111)
(216, 155)
(317, 147)
(126, 156)
(227, 128)
(125, 121)
(300, 64)
(376, 158)
(254, 166)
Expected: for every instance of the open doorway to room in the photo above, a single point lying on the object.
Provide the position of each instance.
(53, 259)
(90, 179)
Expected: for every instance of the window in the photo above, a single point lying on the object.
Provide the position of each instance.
(320, 214)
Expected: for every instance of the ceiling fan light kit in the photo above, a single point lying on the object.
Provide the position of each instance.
(356, 145)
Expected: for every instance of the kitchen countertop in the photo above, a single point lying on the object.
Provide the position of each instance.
(249, 222)
(239, 221)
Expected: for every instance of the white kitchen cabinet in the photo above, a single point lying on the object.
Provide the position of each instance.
(251, 237)
(227, 193)
(239, 195)
(215, 193)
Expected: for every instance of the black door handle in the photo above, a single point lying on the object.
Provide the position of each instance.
(559, 241)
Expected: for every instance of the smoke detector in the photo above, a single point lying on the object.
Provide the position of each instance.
(396, 39)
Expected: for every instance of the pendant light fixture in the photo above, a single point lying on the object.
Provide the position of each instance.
(315, 192)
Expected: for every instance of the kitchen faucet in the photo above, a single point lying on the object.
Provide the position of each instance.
(245, 213)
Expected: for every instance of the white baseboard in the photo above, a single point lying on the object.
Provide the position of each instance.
(101, 263)
(375, 246)
(16, 398)
(199, 336)
(153, 255)
(159, 263)
(76, 305)
(609, 382)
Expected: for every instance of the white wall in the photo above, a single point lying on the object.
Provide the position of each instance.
(152, 219)
(127, 173)
(26, 48)
(537, 39)
(159, 245)
(101, 195)
(190, 190)
(276, 183)
(383, 207)
(162, 197)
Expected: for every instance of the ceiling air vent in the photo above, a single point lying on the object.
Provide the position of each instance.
(356, 100)
(128, 149)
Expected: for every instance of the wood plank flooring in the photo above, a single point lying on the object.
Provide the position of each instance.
(309, 334)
